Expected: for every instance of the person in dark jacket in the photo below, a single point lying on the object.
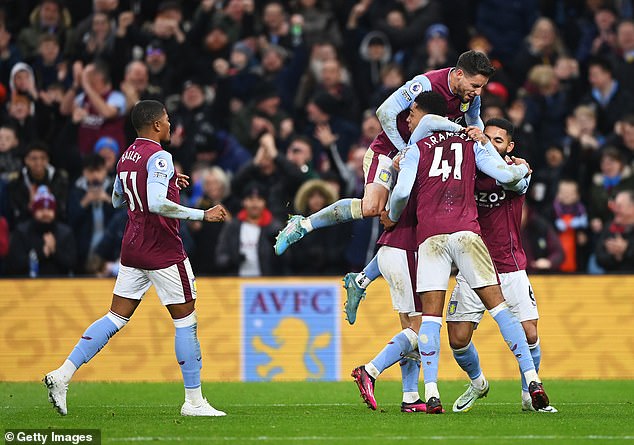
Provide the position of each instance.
(541, 243)
(615, 246)
(42, 246)
(245, 243)
(90, 207)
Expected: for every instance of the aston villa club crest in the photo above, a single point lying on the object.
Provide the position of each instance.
(453, 305)
(385, 175)
(464, 106)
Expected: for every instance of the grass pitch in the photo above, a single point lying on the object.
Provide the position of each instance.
(597, 412)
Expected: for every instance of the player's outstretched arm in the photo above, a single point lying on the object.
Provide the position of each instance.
(430, 123)
(489, 161)
(398, 101)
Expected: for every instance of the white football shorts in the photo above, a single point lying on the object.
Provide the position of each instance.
(465, 305)
(174, 285)
(464, 248)
(378, 169)
(398, 267)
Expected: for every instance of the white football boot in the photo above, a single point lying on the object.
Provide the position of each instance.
(466, 401)
(57, 390)
(205, 409)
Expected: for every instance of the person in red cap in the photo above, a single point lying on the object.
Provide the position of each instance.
(42, 246)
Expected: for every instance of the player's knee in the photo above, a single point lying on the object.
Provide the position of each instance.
(531, 335)
(459, 340)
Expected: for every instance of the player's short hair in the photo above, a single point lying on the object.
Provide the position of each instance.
(474, 63)
(504, 124)
(145, 113)
(432, 102)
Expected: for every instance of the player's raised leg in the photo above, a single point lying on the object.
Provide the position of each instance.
(356, 284)
(90, 343)
(379, 177)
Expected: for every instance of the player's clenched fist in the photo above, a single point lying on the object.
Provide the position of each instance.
(215, 214)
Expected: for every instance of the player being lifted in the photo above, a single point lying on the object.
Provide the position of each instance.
(460, 86)
(499, 215)
(152, 253)
(440, 170)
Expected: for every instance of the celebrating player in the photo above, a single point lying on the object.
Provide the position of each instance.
(441, 172)
(460, 86)
(152, 253)
(499, 215)
(396, 261)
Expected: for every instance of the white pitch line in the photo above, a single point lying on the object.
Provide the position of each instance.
(359, 438)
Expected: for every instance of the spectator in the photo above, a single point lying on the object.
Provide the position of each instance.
(244, 245)
(323, 253)
(613, 177)
(615, 247)
(599, 37)
(216, 189)
(161, 75)
(10, 161)
(108, 149)
(9, 55)
(544, 183)
(90, 208)
(97, 43)
(300, 153)
(623, 58)
(547, 106)
(49, 17)
(37, 171)
(610, 100)
(317, 23)
(623, 138)
(98, 109)
(541, 243)
(279, 177)
(436, 54)
(374, 53)
(571, 220)
(41, 245)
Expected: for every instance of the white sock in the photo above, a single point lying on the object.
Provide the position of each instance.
(526, 396)
(431, 390)
(306, 224)
(479, 382)
(531, 376)
(67, 370)
(371, 369)
(194, 396)
(410, 397)
(362, 280)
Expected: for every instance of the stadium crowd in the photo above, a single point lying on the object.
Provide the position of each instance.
(272, 106)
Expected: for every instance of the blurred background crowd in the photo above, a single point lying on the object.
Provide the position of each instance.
(272, 108)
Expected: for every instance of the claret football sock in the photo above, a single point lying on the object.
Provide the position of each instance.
(468, 359)
(96, 337)
(188, 355)
(536, 354)
(515, 338)
(429, 348)
(396, 348)
(336, 213)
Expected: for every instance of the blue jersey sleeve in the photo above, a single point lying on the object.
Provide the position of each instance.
(160, 169)
(472, 116)
(405, 182)
(118, 197)
(398, 101)
(520, 187)
(489, 162)
(430, 123)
